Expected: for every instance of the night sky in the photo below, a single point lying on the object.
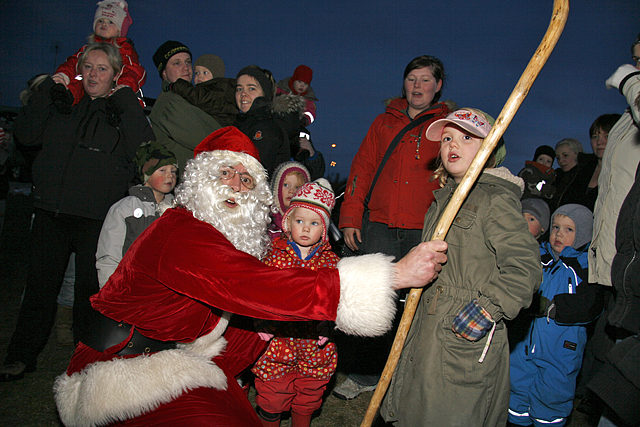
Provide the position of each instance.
(358, 51)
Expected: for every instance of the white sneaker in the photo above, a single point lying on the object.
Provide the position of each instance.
(350, 389)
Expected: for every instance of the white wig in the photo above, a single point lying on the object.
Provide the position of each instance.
(202, 192)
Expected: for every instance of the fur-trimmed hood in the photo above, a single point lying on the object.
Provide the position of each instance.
(504, 173)
(288, 104)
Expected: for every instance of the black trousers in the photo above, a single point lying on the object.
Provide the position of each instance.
(364, 358)
(53, 238)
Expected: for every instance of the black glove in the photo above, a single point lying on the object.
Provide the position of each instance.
(62, 98)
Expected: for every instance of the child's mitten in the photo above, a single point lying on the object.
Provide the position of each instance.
(473, 322)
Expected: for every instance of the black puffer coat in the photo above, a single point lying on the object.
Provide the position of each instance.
(85, 164)
(272, 126)
(625, 269)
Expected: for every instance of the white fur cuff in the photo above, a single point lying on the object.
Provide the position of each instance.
(367, 299)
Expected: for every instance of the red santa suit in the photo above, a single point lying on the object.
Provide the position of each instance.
(178, 283)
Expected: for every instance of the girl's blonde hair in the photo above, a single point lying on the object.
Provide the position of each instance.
(441, 174)
(301, 178)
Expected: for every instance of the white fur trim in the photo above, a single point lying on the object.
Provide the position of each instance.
(506, 174)
(367, 299)
(122, 389)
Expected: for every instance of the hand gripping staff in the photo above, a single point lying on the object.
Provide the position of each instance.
(558, 20)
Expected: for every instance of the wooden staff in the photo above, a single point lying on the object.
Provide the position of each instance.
(558, 20)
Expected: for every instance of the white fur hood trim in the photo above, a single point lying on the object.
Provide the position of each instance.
(122, 389)
(367, 299)
(506, 174)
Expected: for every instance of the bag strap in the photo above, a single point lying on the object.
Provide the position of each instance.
(392, 146)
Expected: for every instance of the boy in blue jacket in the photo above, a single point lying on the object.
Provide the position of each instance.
(544, 366)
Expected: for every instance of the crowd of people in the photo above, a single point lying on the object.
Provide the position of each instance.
(196, 244)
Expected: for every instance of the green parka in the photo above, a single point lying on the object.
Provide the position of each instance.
(493, 257)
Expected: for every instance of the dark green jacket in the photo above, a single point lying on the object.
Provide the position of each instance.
(493, 257)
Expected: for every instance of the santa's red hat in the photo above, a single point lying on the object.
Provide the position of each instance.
(228, 138)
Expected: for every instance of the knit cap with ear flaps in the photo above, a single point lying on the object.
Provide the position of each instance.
(582, 217)
(317, 196)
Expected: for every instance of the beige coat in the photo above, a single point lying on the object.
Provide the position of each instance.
(619, 164)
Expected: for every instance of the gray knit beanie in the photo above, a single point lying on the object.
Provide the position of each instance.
(539, 209)
(582, 217)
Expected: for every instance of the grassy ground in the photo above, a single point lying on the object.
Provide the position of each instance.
(29, 402)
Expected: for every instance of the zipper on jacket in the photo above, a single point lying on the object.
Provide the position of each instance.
(624, 278)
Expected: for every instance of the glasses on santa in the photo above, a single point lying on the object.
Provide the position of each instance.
(227, 173)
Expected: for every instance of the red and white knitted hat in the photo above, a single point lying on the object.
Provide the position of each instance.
(117, 11)
(317, 196)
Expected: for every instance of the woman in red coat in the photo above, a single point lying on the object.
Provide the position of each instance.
(402, 194)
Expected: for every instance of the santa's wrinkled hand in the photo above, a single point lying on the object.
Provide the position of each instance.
(421, 265)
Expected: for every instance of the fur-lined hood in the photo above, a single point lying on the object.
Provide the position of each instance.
(288, 104)
(504, 173)
(281, 106)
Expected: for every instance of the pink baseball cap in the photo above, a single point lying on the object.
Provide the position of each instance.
(467, 119)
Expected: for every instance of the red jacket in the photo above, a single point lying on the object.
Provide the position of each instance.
(133, 74)
(403, 192)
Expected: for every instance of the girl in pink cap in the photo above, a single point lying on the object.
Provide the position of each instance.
(457, 345)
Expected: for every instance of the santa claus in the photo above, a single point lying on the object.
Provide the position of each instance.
(163, 350)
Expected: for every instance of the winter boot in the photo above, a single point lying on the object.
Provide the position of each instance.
(64, 326)
(267, 418)
(299, 420)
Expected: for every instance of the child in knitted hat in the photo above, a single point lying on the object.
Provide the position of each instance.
(536, 212)
(213, 93)
(110, 25)
(297, 361)
(300, 84)
(538, 174)
(287, 179)
(544, 365)
(130, 216)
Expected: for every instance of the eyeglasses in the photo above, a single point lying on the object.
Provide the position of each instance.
(228, 173)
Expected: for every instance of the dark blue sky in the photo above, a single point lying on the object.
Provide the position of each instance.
(358, 51)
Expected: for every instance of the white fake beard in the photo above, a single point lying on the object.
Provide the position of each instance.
(202, 192)
(245, 225)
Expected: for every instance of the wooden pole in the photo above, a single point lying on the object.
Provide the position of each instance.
(558, 21)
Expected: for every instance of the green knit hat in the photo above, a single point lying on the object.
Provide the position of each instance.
(150, 157)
